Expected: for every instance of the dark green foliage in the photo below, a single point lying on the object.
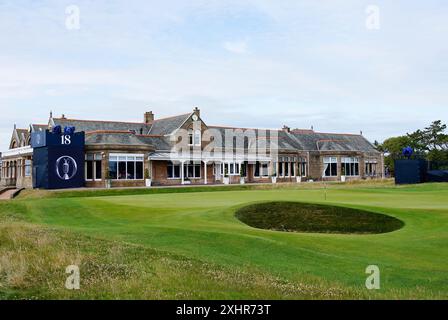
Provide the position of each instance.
(430, 143)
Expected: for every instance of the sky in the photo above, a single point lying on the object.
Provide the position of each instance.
(339, 66)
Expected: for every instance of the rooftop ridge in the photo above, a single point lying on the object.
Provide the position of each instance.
(229, 127)
(338, 134)
(102, 121)
(170, 117)
(124, 132)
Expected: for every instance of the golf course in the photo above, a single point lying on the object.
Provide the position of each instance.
(190, 243)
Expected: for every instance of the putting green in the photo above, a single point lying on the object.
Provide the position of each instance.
(413, 260)
(304, 217)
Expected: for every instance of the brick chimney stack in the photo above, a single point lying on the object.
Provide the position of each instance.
(149, 117)
(197, 111)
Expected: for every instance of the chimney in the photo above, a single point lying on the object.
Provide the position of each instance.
(286, 129)
(149, 117)
(197, 111)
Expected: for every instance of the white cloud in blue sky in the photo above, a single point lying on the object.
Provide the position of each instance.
(249, 63)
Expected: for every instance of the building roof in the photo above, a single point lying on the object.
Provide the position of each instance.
(168, 125)
(156, 134)
(95, 125)
(39, 127)
(305, 140)
(114, 138)
(318, 141)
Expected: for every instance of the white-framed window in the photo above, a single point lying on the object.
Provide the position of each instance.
(126, 166)
(230, 169)
(302, 167)
(371, 168)
(173, 170)
(93, 166)
(350, 167)
(287, 166)
(330, 167)
(192, 170)
(261, 169)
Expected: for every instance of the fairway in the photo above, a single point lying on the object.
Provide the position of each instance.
(202, 227)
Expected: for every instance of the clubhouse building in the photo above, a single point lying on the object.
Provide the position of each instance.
(179, 150)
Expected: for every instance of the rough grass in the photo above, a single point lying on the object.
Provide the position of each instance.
(190, 245)
(33, 262)
(305, 217)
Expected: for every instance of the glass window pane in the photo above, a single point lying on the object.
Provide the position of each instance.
(197, 171)
(139, 170)
(169, 170)
(113, 170)
(131, 171)
(176, 171)
(98, 168)
(89, 174)
(122, 170)
(334, 169)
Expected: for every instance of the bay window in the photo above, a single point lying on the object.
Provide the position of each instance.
(93, 166)
(330, 167)
(126, 166)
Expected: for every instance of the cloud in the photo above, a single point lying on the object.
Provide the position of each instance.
(244, 62)
(238, 47)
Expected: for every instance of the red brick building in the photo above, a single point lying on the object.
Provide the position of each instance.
(184, 149)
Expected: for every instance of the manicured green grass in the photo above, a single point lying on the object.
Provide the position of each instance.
(290, 216)
(201, 230)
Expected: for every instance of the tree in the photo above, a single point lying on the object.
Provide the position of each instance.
(431, 142)
(393, 148)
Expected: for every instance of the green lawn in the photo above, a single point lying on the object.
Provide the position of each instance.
(190, 245)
